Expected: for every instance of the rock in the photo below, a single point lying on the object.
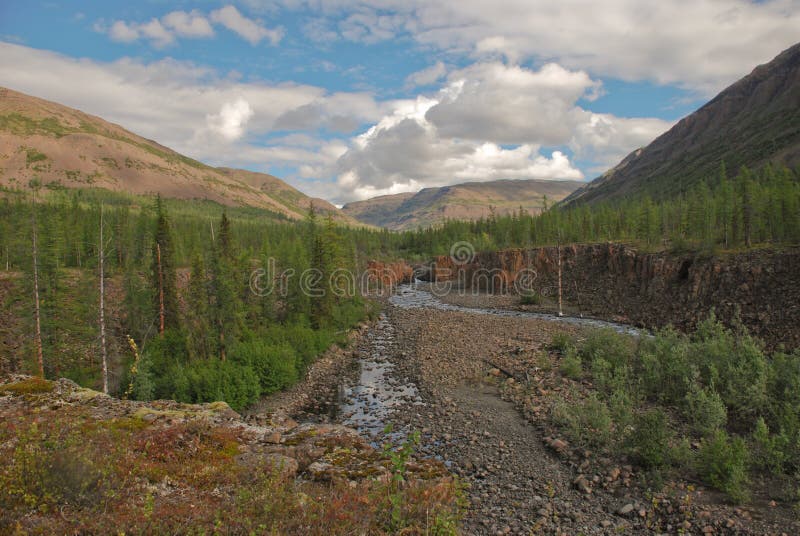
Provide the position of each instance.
(558, 445)
(273, 438)
(626, 510)
(284, 466)
(582, 485)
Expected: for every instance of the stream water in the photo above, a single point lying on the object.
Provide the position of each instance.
(367, 399)
(414, 296)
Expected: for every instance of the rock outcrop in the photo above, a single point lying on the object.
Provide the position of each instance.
(653, 290)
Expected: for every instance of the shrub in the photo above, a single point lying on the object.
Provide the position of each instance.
(530, 298)
(704, 410)
(274, 364)
(571, 366)
(587, 422)
(620, 404)
(722, 463)
(609, 345)
(768, 451)
(734, 364)
(561, 342)
(664, 366)
(649, 442)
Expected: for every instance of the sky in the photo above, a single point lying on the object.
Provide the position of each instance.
(349, 99)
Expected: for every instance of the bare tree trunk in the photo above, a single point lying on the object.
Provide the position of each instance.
(160, 290)
(558, 252)
(103, 349)
(38, 311)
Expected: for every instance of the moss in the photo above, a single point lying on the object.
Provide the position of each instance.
(127, 424)
(219, 406)
(29, 386)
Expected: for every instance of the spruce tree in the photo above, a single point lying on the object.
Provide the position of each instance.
(164, 278)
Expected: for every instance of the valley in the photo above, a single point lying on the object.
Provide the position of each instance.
(340, 270)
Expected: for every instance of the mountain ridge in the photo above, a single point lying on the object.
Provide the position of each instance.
(467, 201)
(754, 121)
(64, 146)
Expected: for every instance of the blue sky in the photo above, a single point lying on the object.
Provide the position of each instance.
(347, 99)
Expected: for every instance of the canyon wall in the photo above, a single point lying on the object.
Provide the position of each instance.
(653, 290)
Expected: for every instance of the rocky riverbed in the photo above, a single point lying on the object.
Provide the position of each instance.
(483, 388)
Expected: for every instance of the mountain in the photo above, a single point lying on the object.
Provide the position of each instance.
(753, 122)
(61, 145)
(467, 201)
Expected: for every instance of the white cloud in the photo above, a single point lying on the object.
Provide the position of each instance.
(191, 24)
(160, 32)
(187, 107)
(370, 27)
(249, 30)
(701, 45)
(510, 104)
(156, 33)
(427, 76)
(404, 150)
(122, 32)
(231, 119)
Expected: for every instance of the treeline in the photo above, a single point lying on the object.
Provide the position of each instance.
(751, 208)
(178, 280)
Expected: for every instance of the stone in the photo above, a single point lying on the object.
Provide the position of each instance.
(626, 510)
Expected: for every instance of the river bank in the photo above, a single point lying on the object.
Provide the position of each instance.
(487, 384)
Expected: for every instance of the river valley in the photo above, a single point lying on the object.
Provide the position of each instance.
(479, 385)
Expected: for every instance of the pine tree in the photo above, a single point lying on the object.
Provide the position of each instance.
(164, 277)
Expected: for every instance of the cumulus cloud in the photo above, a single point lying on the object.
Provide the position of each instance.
(510, 104)
(160, 32)
(153, 31)
(251, 31)
(490, 121)
(231, 120)
(405, 150)
(191, 24)
(701, 45)
(187, 107)
(163, 31)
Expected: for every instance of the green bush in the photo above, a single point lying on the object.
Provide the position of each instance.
(607, 344)
(722, 463)
(275, 365)
(768, 451)
(704, 410)
(561, 342)
(587, 422)
(734, 364)
(571, 365)
(665, 368)
(649, 442)
(530, 298)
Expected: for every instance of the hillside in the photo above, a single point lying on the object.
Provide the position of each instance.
(753, 122)
(468, 201)
(61, 145)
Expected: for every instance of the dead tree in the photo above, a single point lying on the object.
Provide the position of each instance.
(103, 349)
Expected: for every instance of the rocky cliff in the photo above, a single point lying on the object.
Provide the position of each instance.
(652, 290)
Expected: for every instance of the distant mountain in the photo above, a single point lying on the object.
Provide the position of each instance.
(753, 122)
(57, 144)
(468, 201)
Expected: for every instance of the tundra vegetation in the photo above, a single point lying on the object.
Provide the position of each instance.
(710, 405)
